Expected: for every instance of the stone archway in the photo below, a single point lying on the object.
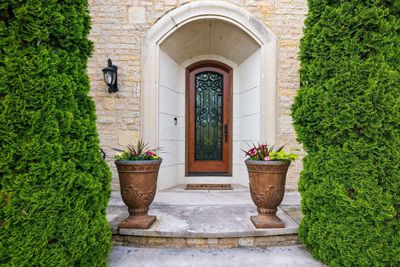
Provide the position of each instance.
(155, 52)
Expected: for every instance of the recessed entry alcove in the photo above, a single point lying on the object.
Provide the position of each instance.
(232, 55)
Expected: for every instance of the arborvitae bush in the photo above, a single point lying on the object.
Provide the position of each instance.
(347, 116)
(54, 185)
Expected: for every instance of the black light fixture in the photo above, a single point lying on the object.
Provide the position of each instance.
(111, 77)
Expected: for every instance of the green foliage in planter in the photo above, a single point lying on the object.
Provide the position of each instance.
(347, 115)
(140, 151)
(54, 185)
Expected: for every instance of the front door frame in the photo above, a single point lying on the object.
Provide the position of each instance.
(227, 117)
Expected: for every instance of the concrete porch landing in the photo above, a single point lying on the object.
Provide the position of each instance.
(205, 219)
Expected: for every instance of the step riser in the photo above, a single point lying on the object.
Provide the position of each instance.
(193, 242)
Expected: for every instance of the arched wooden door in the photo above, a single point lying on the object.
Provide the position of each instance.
(208, 119)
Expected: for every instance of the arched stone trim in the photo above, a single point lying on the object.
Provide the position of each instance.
(186, 13)
(195, 59)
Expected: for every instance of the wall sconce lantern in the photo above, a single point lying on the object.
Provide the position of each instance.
(111, 77)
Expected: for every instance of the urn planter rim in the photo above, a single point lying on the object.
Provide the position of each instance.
(137, 162)
(267, 162)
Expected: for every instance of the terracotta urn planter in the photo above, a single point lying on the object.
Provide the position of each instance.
(138, 182)
(267, 188)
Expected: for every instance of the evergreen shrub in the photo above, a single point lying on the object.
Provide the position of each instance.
(347, 116)
(54, 185)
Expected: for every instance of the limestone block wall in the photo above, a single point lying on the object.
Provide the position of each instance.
(171, 136)
(246, 111)
(117, 28)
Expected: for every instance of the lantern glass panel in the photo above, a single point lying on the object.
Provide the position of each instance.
(109, 77)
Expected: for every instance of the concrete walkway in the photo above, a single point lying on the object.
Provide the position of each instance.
(287, 256)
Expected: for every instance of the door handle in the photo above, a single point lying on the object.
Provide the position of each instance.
(226, 132)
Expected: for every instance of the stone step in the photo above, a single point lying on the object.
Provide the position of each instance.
(198, 242)
(205, 220)
(287, 256)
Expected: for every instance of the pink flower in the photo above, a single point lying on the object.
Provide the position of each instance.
(266, 158)
(150, 153)
(252, 152)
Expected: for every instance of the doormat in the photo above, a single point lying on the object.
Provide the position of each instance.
(208, 187)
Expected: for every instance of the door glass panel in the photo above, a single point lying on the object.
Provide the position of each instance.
(208, 115)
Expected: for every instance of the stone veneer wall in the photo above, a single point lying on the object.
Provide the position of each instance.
(117, 28)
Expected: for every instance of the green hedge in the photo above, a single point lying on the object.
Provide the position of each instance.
(54, 185)
(347, 116)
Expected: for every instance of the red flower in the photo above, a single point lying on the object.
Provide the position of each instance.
(150, 153)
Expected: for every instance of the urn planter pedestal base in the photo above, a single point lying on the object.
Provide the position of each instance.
(267, 221)
(138, 222)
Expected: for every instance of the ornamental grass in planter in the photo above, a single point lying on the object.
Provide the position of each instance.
(267, 176)
(138, 168)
